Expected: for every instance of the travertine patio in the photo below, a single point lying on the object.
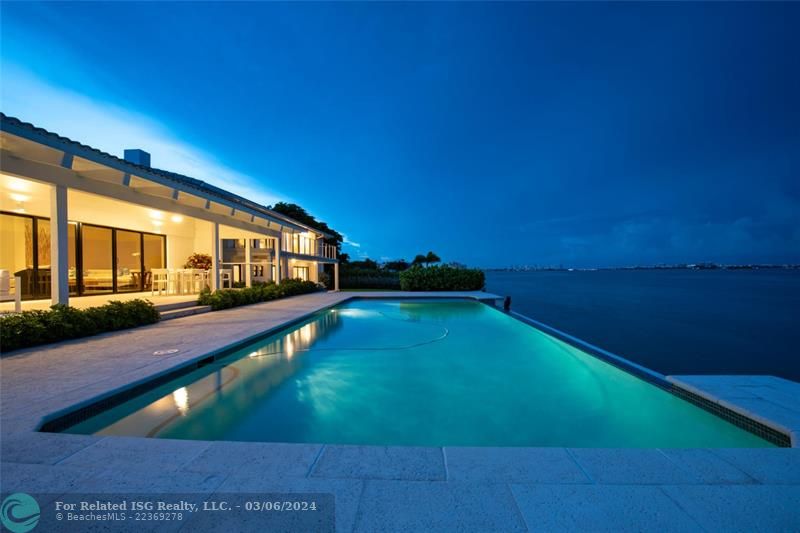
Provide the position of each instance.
(380, 488)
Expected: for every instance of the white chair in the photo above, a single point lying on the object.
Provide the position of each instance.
(226, 275)
(198, 279)
(160, 281)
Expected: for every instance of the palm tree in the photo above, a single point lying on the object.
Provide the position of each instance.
(432, 258)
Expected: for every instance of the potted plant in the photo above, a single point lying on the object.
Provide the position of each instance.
(199, 261)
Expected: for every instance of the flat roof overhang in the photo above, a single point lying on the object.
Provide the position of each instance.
(63, 162)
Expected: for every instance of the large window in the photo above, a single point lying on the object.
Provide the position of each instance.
(100, 260)
(300, 273)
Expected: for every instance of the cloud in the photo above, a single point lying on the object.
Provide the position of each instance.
(112, 129)
(348, 242)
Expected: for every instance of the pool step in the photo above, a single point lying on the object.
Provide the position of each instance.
(184, 311)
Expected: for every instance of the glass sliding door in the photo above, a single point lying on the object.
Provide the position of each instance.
(72, 257)
(16, 255)
(129, 261)
(155, 256)
(98, 260)
(43, 258)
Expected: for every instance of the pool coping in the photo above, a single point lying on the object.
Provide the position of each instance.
(763, 427)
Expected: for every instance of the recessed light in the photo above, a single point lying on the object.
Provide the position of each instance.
(157, 223)
(177, 219)
(19, 197)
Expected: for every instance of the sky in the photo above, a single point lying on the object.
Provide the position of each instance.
(494, 134)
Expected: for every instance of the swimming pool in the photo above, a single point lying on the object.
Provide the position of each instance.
(412, 372)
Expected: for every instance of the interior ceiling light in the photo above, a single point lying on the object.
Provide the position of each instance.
(19, 197)
(17, 185)
(177, 219)
(157, 222)
(158, 215)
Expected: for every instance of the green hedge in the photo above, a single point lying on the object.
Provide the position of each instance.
(31, 328)
(360, 278)
(441, 278)
(263, 292)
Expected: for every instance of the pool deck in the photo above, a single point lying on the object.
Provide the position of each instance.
(389, 488)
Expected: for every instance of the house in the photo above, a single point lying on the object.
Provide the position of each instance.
(75, 221)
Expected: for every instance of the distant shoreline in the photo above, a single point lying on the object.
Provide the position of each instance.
(698, 266)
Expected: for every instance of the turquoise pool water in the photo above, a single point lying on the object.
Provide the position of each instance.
(433, 373)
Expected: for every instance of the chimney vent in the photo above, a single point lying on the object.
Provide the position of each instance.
(137, 157)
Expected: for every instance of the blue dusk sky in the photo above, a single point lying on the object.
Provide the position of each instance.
(493, 134)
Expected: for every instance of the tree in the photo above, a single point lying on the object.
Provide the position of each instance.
(344, 258)
(419, 259)
(432, 258)
(366, 264)
(398, 266)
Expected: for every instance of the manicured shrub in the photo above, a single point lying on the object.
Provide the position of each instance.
(441, 278)
(31, 328)
(363, 278)
(259, 292)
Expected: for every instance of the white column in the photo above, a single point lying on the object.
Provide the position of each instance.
(59, 246)
(336, 277)
(215, 256)
(278, 267)
(248, 259)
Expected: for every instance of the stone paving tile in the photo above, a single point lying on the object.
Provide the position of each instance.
(380, 462)
(765, 411)
(614, 508)
(706, 466)
(767, 465)
(347, 492)
(437, 506)
(513, 465)
(631, 466)
(745, 508)
(38, 478)
(786, 396)
(771, 400)
(269, 459)
(263, 522)
(43, 448)
(153, 455)
(130, 479)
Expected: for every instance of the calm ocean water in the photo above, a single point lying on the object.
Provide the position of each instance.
(673, 321)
